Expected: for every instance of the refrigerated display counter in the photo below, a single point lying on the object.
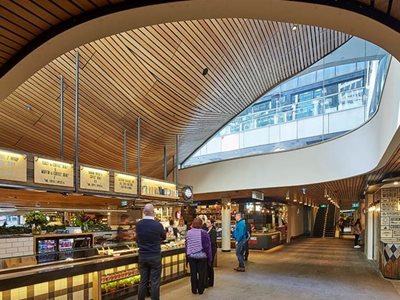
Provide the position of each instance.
(53, 247)
(102, 276)
(265, 241)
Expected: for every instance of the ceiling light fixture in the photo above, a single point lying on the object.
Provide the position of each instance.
(294, 27)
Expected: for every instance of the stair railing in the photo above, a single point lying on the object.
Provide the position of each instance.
(325, 220)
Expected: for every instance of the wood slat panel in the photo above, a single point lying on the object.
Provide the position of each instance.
(156, 73)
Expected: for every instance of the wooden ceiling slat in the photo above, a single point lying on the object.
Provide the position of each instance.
(53, 9)
(85, 5)
(40, 13)
(15, 31)
(220, 78)
(19, 14)
(154, 72)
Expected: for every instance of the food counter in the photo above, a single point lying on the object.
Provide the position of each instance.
(265, 241)
(101, 276)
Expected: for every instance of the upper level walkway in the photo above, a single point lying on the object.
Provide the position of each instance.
(306, 269)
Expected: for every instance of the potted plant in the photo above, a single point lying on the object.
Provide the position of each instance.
(83, 221)
(37, 220)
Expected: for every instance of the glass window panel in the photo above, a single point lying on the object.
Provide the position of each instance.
(295, 101)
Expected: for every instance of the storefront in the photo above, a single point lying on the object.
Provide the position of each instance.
(267, 219)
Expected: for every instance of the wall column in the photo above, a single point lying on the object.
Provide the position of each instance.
(226, 224)
(369, 228)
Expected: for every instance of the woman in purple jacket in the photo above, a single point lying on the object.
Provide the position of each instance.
(198, 255)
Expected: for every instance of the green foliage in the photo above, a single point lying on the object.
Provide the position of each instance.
(36, 218)
(15, 230)
(53, 228)
(98, 227)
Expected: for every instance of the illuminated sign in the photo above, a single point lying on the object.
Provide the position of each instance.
(13, 166)
(53, 172)
(94, 179)
(126, 184)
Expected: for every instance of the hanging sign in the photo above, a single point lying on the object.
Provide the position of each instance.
(94, 179)
(13, 166)
(125, 184)
(53, 172)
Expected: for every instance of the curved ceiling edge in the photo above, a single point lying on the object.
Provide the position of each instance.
(274, 10)
(356, 153)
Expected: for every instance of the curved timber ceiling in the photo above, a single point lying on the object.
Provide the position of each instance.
(157, 72)
(27, 24)
(35, 32)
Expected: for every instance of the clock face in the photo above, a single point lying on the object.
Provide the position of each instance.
(188, 192)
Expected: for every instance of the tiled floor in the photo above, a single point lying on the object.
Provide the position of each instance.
(307, 269)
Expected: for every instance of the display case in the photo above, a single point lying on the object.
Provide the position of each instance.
(53, 247)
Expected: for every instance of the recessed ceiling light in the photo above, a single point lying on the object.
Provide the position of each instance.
(396, 183)
(294, 27)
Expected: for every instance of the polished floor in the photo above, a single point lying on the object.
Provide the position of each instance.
(306, 269)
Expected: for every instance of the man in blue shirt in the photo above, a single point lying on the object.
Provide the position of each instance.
(149, 234)
(239, 234)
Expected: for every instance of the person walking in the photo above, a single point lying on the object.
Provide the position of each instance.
(149, 234)
(357, 233)
(199, 255)
(239, 234)
(246, 244)
(212, 233)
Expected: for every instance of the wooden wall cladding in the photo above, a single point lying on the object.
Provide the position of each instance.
(156, 73)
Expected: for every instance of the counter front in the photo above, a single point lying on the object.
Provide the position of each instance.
(265, 241)
(97, 277)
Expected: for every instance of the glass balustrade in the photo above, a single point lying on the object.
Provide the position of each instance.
(334, 96)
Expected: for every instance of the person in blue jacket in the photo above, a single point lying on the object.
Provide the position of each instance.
(240, 236)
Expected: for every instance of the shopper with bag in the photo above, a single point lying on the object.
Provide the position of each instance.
(198, 255)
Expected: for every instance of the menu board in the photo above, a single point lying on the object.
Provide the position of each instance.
(390, 215)
(125, 184)
(94, 179)
(13, 166)
(53, 172)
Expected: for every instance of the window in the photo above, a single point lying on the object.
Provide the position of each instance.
(306, 96)
(260, 107)
(345, 69)
(330, 87)
(307, 79)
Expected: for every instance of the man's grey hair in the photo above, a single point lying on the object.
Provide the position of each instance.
(148, 210)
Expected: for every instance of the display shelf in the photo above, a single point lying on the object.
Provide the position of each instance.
(158, 189)
(121, 293)
(119, 276)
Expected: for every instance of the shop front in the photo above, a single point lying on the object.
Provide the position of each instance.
(267, 220)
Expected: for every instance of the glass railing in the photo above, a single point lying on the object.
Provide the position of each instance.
(297, 115)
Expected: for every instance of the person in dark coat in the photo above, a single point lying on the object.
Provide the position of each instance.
(149, 234)
(212, 232)
(246, 245)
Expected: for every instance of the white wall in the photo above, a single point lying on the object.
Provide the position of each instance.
(295, 221)
(353, 154)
